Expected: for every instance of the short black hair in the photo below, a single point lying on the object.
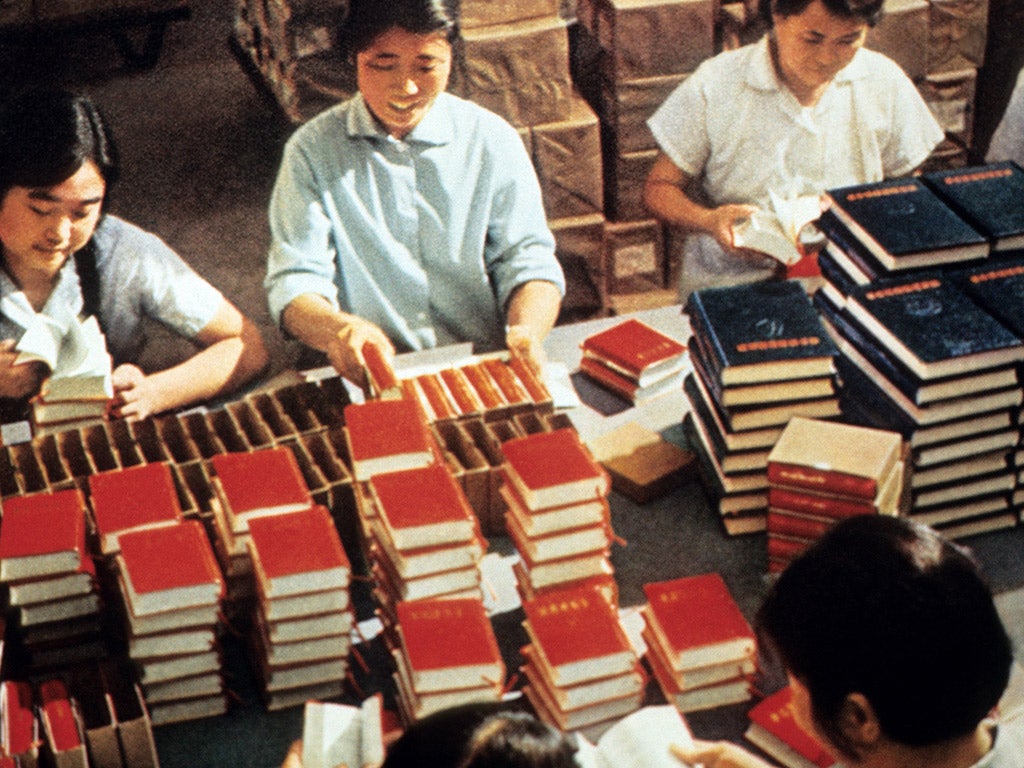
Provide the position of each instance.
(369, 19)
(518, 740)
(888, 608)
(869, 11)
(47, 134)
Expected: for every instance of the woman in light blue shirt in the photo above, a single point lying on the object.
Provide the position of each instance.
(406, 217)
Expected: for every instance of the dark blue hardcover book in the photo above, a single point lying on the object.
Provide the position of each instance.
(834, 274)
(761, 332)
(999, 288)
(905, 224)
(933, 326)
(840, 237)
(989, 197)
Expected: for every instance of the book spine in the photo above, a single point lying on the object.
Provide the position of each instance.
(609, 378)
(436, 396)
(702, 329)
(785, 549)
(530, 379)
(379, 373)
(829, 507)
(791, 526)
(823, 480)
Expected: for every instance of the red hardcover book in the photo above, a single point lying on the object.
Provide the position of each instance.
(507, 383)
(462, 391)
(256, 483)
(298, 552)
(785, 549)
(697, 621)
(386, 435)
(379, 373)
(63, 729)
(635, 349)
(132, 497)
(428, 629)
(169, 567)
(20, 730)
(818, 505)
(774, 729)
(779, 523)
(437, 398)
(530, 379)
(422, 507)
(576, 635)
(43, 534)
(628, 388)
(485, 387)
(550, 469)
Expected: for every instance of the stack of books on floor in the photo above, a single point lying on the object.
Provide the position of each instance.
(425, 539)
(446, 655)
(700, 648)
(921, 357)
(581, 670)
(172, 587)
(634, 360)
(820, 472)
(558, 516)
(760, 356)
(301, 634)
(248, 485)
(52, 598)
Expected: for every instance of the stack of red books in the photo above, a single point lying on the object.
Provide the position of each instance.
(386, 436)
(700, 647)
(140, 496)
(50, 578)
(425, 539)
(303, 619)
(446, 654)
(820, 472)
(580, 668)
(558, 516)
(634, 360)
(172, 589)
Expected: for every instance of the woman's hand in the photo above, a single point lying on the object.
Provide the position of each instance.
(722, 219)
(718, 754)
(22, 379)
(522, 341)
(345, 350)
(135, 395)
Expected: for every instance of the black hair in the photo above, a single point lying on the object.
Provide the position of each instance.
(47, 134)
(518, 740)
(369, 19)
(888, 608)
(870, 11)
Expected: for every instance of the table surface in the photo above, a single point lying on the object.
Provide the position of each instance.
(672, 536)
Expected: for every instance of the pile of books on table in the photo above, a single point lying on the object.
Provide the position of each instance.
(820, 472)
(634, 360)
(760, 356)
(446, 655)
(50, 580)
(700, 648)
(558, 516)
(922, 296)
(581, 670)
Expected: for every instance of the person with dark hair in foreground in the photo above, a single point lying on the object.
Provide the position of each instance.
(63, 257)
(773, 125)
(893, 649)
(408, 218)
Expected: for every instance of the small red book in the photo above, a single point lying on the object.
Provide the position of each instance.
(774, 729)
(298, 552)
(379, 373)
(63, 729)
(485, 387)
(262, 482)
(43, 534)
(169, 567)
(423, 507)
(435, 397)
(533, 383)
(20, 730)
(635, 349)
(821, 506)
(550, 469)
(506, 381)
(462, 392)
(576, 635)
(697, 621)
(131, 497)
(449, 643)
(386, 435)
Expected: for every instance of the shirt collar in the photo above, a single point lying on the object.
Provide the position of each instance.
(436, 127)
(761, 71)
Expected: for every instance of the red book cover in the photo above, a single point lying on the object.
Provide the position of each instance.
(530, 379)
(462, 392)
(794, 526)
(171, 566)
(382, 379)
(553, 468)
(488, 391)
(429, 628)
(381, 429)
(818, 505)
(58, 716)
(132, 496)
(823, 480)
(609, 377)
(633, 347)
(695, 615)
(303, 542)
(507, 382)
(423, 506)
(19, 718)
(42, 534)
(774, 715)
(785, 549)
(575, 624)
(263, 480)
(438, 399)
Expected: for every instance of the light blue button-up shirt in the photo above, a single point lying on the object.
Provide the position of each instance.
(427, 237)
